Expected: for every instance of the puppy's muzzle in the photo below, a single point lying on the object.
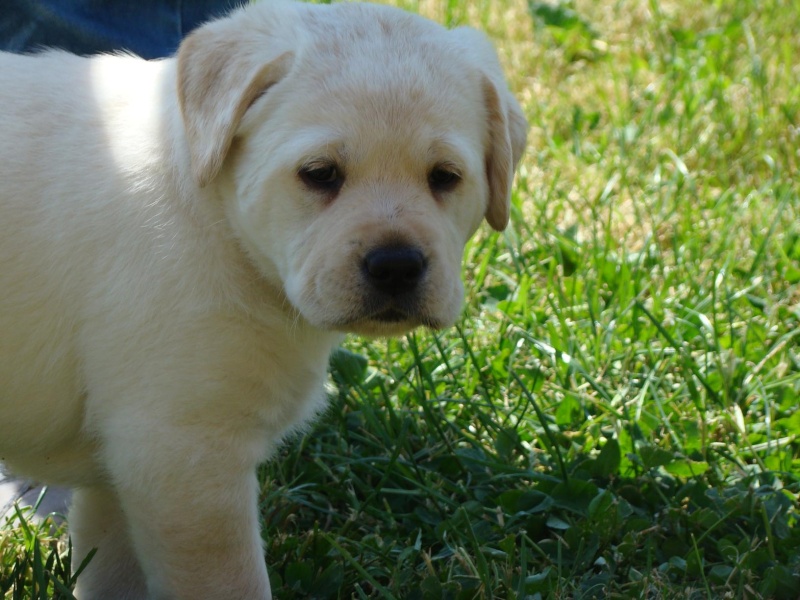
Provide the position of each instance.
(393, 275)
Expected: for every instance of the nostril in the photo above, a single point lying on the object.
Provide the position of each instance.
(394, 270)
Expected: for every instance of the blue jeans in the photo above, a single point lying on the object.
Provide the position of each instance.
(149, 28)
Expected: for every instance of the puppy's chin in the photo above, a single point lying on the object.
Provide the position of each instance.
(388, 323)
(378, 328)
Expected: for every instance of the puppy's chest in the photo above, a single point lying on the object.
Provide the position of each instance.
(292, 394)
(276, 382)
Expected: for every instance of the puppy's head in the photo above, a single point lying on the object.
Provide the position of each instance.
(358, 148)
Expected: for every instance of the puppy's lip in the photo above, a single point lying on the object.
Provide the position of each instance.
(387, 322)
(390, 315)
(393, 311)
(376, 315)
(393, 315)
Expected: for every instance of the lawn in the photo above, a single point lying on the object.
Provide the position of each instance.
(617, 413)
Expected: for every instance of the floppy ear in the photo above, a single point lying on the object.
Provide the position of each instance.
(218, 80)
(507, 133)
(507, 127)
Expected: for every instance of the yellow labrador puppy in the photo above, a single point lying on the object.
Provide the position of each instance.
(183, 242)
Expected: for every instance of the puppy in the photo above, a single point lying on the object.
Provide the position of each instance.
(183, 242)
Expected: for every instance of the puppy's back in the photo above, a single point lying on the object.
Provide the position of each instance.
(81, 144)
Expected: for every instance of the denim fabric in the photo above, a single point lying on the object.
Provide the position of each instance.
(149, 28)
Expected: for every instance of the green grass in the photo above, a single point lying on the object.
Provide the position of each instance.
(36, 556)
(616, 416)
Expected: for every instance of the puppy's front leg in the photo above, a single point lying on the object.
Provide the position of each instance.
(190, 500)
(96, 521)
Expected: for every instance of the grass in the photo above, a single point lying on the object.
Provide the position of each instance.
(616, 415)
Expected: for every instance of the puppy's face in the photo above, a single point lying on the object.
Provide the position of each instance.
(361, 195)
(358, 176)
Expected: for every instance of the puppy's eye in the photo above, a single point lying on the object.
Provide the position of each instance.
(443, 179)
(324, 177)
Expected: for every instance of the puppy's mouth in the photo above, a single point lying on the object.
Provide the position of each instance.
(390, 315)
(393, 283)
(390, 318)
(394, 313)
(393, 291)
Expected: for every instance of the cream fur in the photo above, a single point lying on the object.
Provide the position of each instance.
(170, 290)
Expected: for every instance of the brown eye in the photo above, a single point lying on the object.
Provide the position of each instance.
(443, 179)
(322, 177)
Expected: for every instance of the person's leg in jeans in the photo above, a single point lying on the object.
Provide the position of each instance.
(149, 28)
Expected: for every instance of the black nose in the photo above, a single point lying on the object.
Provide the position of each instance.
(394, 270)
